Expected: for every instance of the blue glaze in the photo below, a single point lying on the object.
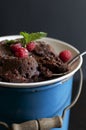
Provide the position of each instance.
(22, 104)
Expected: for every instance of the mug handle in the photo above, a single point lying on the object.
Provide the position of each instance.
(46, 123)
(77, 95)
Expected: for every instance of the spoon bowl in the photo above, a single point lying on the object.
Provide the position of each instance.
(71, 62)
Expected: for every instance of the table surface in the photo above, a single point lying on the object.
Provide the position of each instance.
(78, 112)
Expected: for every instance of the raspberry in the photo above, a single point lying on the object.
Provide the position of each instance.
(65, 55)
(31, 46)
(15, 47)
(21, 52)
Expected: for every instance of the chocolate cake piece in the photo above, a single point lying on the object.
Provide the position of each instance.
(48, 60)
(14, 69)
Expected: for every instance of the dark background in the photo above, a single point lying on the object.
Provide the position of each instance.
(62, 19)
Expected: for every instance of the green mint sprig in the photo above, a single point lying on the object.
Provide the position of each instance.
(28, 37)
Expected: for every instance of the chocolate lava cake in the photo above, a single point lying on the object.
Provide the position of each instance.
(39, 65)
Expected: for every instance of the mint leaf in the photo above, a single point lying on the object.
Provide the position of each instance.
(28, 37)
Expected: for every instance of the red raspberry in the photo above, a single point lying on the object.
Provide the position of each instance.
(31, 46)
(15, 47)
(22, 52)
(65, 55)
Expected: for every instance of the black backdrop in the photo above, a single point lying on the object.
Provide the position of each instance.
(62, 19)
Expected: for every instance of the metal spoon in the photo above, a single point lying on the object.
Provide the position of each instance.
(74, 59)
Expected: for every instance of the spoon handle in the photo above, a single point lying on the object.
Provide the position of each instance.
(76, 57)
